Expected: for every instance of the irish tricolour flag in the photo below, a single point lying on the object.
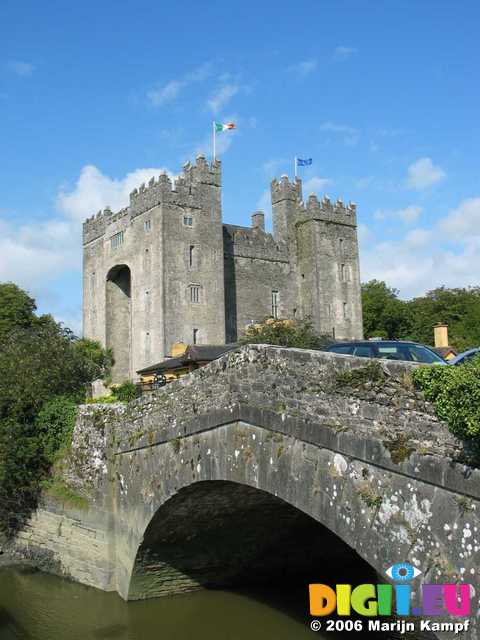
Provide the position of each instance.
(223, 127)
(218, 127)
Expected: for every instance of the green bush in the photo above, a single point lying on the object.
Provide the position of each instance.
(285, 333)
(54, 426)
(121, 393)
(125, 392)
(455, 393)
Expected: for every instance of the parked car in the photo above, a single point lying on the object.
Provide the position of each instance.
(465, 356)
(388, 350)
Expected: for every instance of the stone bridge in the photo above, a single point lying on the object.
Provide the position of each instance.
(268, 463)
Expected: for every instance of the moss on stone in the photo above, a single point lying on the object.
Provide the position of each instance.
(176, 444)
(367, 494)
(61, 492)
(372, 372)
(399, 448)
(464, 505)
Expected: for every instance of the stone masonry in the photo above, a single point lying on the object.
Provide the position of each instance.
(245, 448)
(167, 269)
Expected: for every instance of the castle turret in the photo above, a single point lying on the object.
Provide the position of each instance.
(286, 198)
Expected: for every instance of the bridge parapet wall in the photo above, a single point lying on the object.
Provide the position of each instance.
(365, 409)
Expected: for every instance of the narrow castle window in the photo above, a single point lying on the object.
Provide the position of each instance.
(345, 311)
(344, 273)
(194, 293)
(275, 304)
(188, 221)
(340, 246)
(147, 225)
(116, 240)
(191, 255)
(195, 336)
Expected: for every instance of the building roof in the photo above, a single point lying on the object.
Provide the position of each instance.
(444, 351)
(194, 353)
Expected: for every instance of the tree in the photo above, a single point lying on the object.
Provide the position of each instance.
(384, 314)
(17, 308)
(459, 308)
(285, 333)
(45, 371)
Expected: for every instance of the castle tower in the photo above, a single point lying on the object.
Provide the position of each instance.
(153, 272)
(328, 268)
(286, 198)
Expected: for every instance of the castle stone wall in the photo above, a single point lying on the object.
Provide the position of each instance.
(195, 279)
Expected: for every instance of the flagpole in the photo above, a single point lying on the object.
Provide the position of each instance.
(295, 166)
(214, 141)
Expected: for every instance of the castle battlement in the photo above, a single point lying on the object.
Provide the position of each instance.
(283, 189)
(254, 243)
(185, 190)
(324, 209)
(330, 211)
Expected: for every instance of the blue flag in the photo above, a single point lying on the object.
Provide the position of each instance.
(304, 163)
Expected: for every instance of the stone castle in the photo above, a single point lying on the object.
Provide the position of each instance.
(166, 268)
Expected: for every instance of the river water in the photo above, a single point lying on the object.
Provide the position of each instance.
(36, 606)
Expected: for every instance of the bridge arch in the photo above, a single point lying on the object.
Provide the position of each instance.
(118, 319)
(305, 483)
(223, 534)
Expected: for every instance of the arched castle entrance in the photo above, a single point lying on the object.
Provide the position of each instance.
(118, 316)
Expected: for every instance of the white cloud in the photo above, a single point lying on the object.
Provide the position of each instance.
(94, 191)
(36, 254)
(31, 253)
(21, 68)
(418, 238)
(315, 184)
(408, 214)
(304, 68)
(159, 97)
(350, 134)
(463, 223)
(365, 182)
(423, 174)
(421, 260)
(162, 95)
(343, 53)
(272, 167)
(228, 87)
(222, 96)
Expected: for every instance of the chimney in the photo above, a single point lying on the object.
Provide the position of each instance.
(258, 220)
(440, 332)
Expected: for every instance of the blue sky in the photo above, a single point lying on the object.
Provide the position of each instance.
(384, 96)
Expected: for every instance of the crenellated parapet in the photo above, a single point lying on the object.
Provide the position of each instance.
(185, 190)
(329, 211)
(283, 189)
(253, 242)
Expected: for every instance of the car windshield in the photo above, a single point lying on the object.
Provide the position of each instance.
(403, 351)
(422, 354)
(408, 352)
